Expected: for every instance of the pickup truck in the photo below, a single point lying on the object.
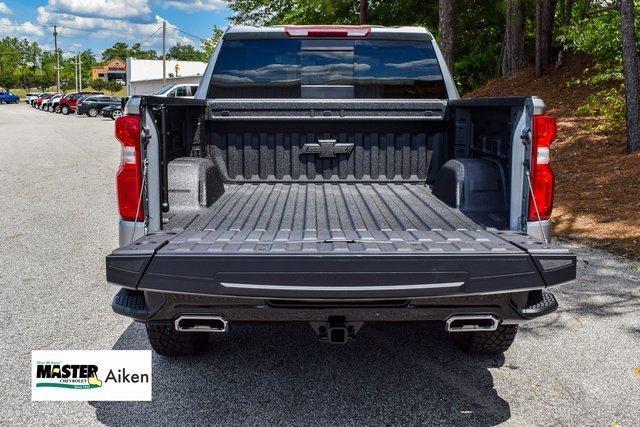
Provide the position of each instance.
(177, 91)
(8, 98)
(331, 175)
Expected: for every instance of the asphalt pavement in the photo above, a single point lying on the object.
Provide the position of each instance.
(58, 219)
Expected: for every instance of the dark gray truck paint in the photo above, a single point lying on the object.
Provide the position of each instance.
(384, 209)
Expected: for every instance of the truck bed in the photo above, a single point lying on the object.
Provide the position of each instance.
(334, 240)
(324, 218)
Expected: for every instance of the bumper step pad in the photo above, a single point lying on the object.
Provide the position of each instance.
(130, 303)
(539, 303)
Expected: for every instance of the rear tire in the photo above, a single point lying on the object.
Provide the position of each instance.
(65, 110)
(166, 341)
(494, 342)
(57, 110)
(92, 112)
(116, 114)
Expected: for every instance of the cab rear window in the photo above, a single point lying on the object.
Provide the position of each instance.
(327, 68)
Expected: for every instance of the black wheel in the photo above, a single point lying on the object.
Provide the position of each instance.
(494, 342)
(93, 112)
(65, 110)
(116, 114)
(166, 341)
(57, 110)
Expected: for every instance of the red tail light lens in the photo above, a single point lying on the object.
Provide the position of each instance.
(327, 30)
(542, 177)
(129, 176)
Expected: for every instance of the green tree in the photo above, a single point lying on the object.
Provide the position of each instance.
(137, 52)
(88, 60)
(123, 51)
(11, 59)
(112, 86)
(210, 44)
(118, 50)
(186, 52)
(44, 81)
(67, 84)
(7, 80)
(98, 85)
(28, 80)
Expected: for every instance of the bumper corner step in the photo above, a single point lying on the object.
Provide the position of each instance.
(539, 303)
(130, 303)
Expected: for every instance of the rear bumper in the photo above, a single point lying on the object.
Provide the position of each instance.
(152, 307)
(150, 265)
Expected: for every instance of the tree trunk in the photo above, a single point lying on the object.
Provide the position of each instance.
(364, 5)
(631, 64)
(447, 31)
(513, 59)
(545, 16)
(567, 12)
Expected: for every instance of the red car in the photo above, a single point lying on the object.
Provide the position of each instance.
(38, 102)
(68, 103)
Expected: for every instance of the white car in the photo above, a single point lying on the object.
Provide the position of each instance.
(49, 104)
(55, 103)
(30, 96)
(178, 91)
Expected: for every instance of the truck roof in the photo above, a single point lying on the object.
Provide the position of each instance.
(376, 32)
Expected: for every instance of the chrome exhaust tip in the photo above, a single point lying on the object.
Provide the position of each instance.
(201, 323)
(472, 323)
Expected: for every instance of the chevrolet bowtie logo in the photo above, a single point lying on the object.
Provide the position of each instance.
(327, 148)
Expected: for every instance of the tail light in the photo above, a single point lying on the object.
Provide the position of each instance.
(327, 30)
(129, 176)
(542, 176)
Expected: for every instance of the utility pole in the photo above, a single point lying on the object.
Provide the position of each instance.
(55, 43)
(75, 69)
(164, 53)
(80, 72)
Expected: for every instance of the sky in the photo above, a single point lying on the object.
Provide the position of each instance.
(98, 24)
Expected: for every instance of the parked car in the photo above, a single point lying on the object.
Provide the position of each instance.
(68, 104)
(55, 103)
(43, 105)
(93, 105)
(41, 100)
(51, 104)
(348, 184)
(29, 97)
(178, 91)
(112, 111)
(34, 101)
(9, 98)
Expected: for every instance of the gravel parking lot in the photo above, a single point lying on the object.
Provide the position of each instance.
(58, 219)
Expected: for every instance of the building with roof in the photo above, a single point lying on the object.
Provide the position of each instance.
(114, 69)
(144, 76)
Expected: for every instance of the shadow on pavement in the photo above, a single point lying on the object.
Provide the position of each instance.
(281, 374)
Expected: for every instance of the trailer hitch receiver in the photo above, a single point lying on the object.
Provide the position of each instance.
(336, 330)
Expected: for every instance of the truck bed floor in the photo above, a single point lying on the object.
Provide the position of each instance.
(327, 217)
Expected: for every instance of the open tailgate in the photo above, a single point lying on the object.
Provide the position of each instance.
(352, 265)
